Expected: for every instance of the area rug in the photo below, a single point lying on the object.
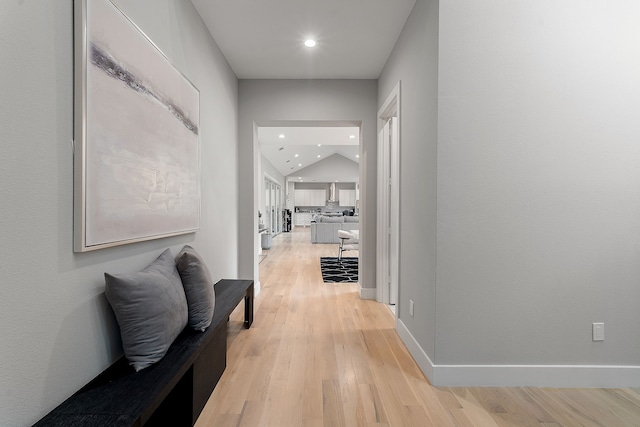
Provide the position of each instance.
(334, 271)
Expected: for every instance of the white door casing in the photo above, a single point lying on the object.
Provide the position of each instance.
(388, 180)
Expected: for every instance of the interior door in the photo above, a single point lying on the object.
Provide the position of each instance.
(382, 265)
(267, 203)
(393, 212)
(388, 202)
(278, 209)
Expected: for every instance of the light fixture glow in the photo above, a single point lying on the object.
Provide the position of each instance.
(318, 155)
(295, 155)
(319, 145)
(310, 43)
(299, 164)
(352, 137)
(281, 136)
(358, 155)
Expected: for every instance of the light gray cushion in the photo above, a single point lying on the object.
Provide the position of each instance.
(151, 309)
(335, 219)
(198, 287)
(352, 219)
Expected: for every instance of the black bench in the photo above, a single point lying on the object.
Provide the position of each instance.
(171, 392)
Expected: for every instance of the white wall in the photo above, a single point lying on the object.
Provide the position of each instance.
(334, 167)
(56, 328)
(265, 102)
(414, 63)
(270, 171)
(538, 218)
(538, 182)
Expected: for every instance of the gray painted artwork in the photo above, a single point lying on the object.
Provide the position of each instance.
(141, 149)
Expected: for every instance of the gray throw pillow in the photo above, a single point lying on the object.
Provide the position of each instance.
(198, 287)
(151, 309)
(352, 219)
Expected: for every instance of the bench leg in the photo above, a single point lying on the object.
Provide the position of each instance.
(248, 307)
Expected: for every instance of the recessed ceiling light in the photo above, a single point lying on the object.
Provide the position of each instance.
(295, 155)
(358, 155)
(319, 145)
(310, 43)
(299, 177)
(352, 137)
(281, 136)
(318, 155)
(299, 164)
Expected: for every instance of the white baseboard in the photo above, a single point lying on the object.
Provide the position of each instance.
(367, 293)
(421, 358)
(558, 376)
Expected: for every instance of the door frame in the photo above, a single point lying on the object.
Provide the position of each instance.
(388, 194)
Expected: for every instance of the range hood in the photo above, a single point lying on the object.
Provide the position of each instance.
(332, 194)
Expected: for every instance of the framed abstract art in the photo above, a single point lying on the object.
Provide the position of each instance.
(136, 135)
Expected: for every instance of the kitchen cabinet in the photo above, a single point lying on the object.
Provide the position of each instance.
(347, 197)
(309, 197)
(319, 197)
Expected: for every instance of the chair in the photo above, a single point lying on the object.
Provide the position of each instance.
(348, 242)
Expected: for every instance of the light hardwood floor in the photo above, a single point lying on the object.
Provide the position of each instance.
(318, 355)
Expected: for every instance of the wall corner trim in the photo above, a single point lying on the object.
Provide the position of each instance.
(420, 356)
(257, 289)
(366, 293)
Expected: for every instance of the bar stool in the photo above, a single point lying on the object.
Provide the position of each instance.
(348, 242)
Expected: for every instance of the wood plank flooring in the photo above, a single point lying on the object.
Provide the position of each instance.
(318, 355)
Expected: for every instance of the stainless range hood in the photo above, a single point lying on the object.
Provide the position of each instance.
(332, 194)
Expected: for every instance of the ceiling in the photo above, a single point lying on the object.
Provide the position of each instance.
(263, 39)
(299, 147)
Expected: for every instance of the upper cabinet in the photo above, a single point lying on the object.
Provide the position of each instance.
(310, 197)
(347, 197)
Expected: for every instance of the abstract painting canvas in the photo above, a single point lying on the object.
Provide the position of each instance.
(137, 145)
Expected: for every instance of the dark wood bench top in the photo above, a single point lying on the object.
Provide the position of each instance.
(121, 396)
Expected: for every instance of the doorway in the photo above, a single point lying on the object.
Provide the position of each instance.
(318, 163)
(273, 206)
(388, 191)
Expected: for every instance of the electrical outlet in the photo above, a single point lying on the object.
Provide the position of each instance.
(411, 307)
(598, 331)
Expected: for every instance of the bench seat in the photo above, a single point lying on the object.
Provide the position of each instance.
(174, 390)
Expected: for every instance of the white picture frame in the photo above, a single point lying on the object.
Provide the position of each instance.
(136, 135)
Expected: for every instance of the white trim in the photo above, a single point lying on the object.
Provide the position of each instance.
(390, 105)
(419, 355)
(366, 293)
(256, 288)
(574, 376)
(387, 266)
(558, 376)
